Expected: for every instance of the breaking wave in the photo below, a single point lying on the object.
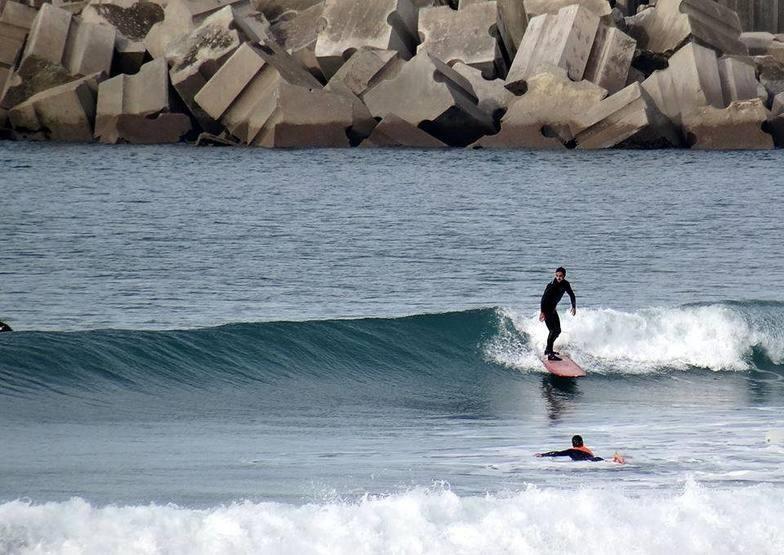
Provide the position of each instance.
(694, 519)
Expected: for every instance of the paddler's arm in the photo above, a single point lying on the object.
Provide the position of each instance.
(553, 454)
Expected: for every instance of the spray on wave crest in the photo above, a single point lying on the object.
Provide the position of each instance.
(716, 337)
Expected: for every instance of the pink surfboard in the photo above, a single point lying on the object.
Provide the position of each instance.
(566, 368)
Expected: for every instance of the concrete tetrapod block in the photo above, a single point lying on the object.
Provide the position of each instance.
(177, 23)
(610, 59)
(349, 25)
(393, 131)
(275, 10)
(757, 15)
(543, 118)
(132, 20)
(429, 94)
(63, 113)
(467, 35)
(194, 59)
(134, 108)
(673, 22)
(739, 126)
(562, 40)
(365, 68)
(627, 118)
(492, 95)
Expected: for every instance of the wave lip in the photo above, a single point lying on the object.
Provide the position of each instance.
(696, 520)
(719, 337)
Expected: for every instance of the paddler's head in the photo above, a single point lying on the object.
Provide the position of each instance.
(560, 274)
(577, 441)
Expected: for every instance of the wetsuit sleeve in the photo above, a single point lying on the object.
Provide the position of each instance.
(566, 453)
(571, 294)
(544, 298)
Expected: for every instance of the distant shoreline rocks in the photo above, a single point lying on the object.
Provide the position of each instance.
(528, 74)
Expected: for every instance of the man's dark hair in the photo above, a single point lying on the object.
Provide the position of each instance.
(561, 269)
(577, 441)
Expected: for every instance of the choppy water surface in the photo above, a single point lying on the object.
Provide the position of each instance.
(312, 351)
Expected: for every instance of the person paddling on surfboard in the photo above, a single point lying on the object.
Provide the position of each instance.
(579, 452)
(548, 313)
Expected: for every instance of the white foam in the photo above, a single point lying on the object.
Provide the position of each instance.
(715, 337)
(694, 520)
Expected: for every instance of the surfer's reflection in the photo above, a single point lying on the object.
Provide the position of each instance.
(558, 394)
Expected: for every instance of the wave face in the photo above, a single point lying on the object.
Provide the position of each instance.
(456, 346)
(696, 520)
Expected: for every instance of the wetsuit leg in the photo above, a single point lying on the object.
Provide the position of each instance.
(554, 325)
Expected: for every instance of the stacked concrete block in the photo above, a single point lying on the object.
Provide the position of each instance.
(194, 59)
(533, 8)
(545, 116)
(764, 44)
(280, 10)
(132, 20)
(62, 113)
(690, 82)
(350, 25)
(512, 21)
(671, 23)
(563, 40)
(628, 118)
(758, 15)
(610, 59)
(492, 96)
(135, 108)
(176, 24)
(59, 49)
(738, 126)
(297, 31)
(393, 131)
(365, 68)
(467, 35)
(738, 79)
(265, 98)
(427, 93)
(771, 74)
(15, 22)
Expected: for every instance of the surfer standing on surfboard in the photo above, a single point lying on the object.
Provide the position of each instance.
(549, 315)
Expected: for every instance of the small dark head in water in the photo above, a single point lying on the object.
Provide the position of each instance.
(577, 441)
(5, 327)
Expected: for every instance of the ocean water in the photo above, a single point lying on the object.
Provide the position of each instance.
(245, 351)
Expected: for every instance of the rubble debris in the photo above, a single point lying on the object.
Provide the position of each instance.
(350, 25)
(62, 113)
(427, 93)
(628, 118)
(671, 23)
(544, 117)
(466, 35)
(563, 40)
(135, 108)
(738, 126)
(393, 131)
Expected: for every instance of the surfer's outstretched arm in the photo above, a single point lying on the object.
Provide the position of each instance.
(566, 453)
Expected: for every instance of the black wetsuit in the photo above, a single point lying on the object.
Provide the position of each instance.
(552, 294)
(5, 327)
(575, 454)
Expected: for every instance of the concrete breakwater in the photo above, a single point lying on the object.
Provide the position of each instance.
(378, 73)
